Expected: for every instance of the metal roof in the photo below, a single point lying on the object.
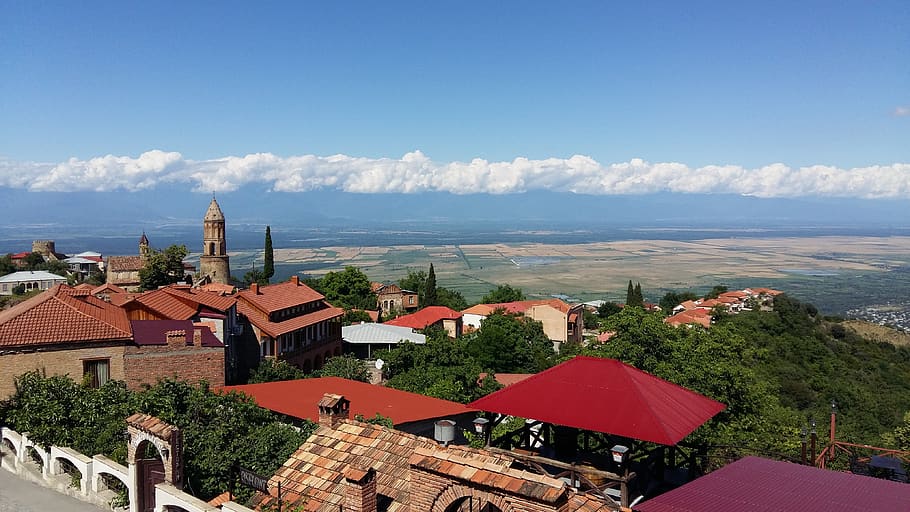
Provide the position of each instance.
(380, 333)
(754, 484)
(31, 275)
(605, 395)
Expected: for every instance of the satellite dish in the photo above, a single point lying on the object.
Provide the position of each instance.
(379, 364)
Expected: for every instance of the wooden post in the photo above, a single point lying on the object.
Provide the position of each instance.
(833, 427)
(624, 489)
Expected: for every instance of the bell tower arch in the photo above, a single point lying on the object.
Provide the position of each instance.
(214, 261)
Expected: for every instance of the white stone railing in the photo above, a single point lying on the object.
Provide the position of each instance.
(91, 484)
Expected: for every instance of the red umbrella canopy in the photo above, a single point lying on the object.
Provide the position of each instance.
(605, 395)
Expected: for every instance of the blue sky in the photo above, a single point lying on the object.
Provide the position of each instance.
(199, 91)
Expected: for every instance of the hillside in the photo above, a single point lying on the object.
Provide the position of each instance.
(876, 332)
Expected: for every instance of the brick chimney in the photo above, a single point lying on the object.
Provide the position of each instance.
(333, 409)
(360, 495)
(295, 280)
(254, 287)
(175, 338)
(197, 336)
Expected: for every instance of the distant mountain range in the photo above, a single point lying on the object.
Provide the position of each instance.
(171, 214)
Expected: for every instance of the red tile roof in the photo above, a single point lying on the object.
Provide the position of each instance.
(298, 398)
(618, 399)
(124, 263)
(219, 288)
(275, 329)
(276, 297)
(314, 476)
(62, 315)
(179, 302)
(426, 316)
(107, 288)
(507, 379)
(700, 317)
(753, 484)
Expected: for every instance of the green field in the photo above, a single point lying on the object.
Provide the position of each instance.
(835, 273)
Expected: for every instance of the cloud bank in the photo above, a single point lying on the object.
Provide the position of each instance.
(415, 173)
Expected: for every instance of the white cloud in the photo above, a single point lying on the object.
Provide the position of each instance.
(902, 111)
(415, 172)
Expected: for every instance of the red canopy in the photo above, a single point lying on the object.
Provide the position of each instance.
(605, 395)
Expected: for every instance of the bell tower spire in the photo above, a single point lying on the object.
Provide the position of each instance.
(214, 261)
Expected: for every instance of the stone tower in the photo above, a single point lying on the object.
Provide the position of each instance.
(145, 250)
(214, 260)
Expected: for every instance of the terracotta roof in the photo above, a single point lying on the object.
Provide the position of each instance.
(754, 484)
(124, 263)
(298, 399)
(84, 286)
(275, 329)
(107, 288)
(478, 309)
(314, 475)
(618, 399)
(221, 499)
(152, 425)
(514, 481)
(426, 316)
(219, 288)
(518, 306)
(605, 336)
(700, 317)
(275, 297)
(507, 379)
(62, 315)
(180, 302)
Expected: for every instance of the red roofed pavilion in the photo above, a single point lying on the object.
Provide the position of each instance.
(608, 396)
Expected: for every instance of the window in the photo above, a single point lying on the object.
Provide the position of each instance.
(411, 299)
(96, 372)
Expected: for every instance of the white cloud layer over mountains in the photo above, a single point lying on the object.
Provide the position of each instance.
(415, 172)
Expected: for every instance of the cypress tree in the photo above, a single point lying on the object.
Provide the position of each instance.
(639, 298)
(429, 295)
(630, 295)
(268, 266)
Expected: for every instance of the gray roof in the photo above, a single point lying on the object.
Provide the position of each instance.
(380, 333)
(31, 275)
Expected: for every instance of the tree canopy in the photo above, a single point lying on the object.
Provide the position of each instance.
(345, 366)
(510, 344)
(274, 370)
(163, 267)
(430, 295)
(349, 289)
(503, 293)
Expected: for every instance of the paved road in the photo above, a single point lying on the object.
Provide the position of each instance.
(18, 495)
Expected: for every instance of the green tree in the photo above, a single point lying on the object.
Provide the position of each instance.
(415, 282)
(54, 267)
(440, 368)
(345, 366)
(450, 298)
(163, 267)
(32, 260)
(608, 309)
(430, 295)
(630, 294)
(355, 316)
(268, 266)
(591, 320)
(349, 289)
(639, 298)
(6, 264)
(273, 370)
(503, 293)
(255, 276)
(510, 344)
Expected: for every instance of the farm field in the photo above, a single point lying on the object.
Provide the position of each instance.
(836, 273)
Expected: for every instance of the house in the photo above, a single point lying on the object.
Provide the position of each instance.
(561, 321)
(364, 340)
(65, 332)
(755, 484)
(350, 465)
(123, 271)
(68, 331)
(432, 316)
(409, 412)
(291, 321)
(201, 308)
(30, 280)
(391, 297)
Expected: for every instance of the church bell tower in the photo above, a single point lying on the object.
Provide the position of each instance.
(214, 261)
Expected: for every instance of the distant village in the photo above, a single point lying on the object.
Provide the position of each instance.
(96, 324)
